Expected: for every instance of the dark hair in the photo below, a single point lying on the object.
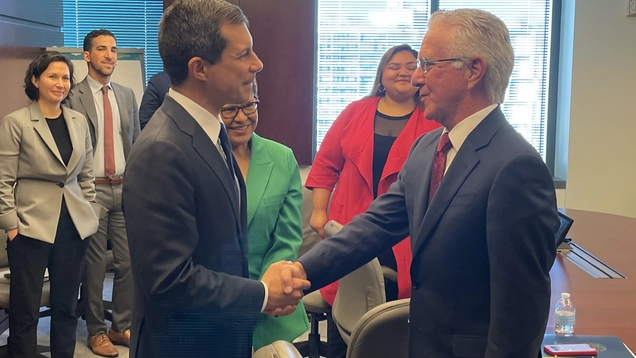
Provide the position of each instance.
(39, 65)
(388, 55)
(88, 39)
(192, 28)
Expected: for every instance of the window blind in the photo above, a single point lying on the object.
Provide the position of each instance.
(353, 35)
(135, 24)
(528, 22)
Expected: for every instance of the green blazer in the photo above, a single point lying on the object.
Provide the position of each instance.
(274, 200)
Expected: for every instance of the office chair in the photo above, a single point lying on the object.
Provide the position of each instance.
(278, 349)
(358, 292)
(315, 305)
(5, 294)
(316, 308)
(382, 332)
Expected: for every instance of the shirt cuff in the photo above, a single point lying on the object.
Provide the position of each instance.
(265, 298)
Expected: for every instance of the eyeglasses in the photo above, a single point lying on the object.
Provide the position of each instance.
(231, 111)
(426, 64)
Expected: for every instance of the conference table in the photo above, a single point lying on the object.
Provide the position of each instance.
(605, 307)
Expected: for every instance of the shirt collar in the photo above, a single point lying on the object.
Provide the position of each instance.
(462, 130)
(96, 86)
(210, 123)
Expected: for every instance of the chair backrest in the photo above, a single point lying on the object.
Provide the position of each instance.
(358, 292)
(4, 259)
(382, 332)
(278, 349)
(310, 237)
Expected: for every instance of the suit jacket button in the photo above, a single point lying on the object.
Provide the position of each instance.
(61, 185)
(416, 285)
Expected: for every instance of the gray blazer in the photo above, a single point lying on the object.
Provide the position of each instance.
(81, 100)
(34, 179)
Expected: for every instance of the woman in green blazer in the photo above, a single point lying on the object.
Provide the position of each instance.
(274, 200)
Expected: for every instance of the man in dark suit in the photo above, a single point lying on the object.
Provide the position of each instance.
(155, 92)
(480, 210)
(111, 113)
(185, 205)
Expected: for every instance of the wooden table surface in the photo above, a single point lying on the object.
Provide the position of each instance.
(603, 306)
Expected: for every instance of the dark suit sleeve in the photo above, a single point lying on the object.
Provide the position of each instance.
(521, 224)
(151, 101)
(135, 119)
(382, 226)
(161, 222)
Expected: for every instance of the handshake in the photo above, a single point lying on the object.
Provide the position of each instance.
(285, 282)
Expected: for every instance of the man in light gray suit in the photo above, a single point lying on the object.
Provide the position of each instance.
(113, 121)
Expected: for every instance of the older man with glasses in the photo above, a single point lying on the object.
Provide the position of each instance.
(477, 200)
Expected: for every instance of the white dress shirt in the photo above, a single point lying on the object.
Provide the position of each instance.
(118, 144)
(460, 132)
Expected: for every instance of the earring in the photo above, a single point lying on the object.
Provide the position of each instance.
(381, 88)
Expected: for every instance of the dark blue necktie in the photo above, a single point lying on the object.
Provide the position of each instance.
(227, 149)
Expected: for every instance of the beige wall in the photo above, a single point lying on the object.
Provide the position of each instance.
(601, 171)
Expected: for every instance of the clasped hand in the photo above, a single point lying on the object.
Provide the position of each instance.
(285, 282)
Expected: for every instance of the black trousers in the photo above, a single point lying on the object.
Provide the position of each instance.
(28, 258)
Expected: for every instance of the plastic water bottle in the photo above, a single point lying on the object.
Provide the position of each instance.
(564, 316)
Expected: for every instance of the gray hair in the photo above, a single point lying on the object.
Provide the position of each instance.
(388, 55)
(478, 32)
(191, 28)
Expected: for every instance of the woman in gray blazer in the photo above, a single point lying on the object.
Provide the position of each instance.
(47, 205)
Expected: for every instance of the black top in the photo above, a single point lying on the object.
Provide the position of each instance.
(59, 130)
(386, 129)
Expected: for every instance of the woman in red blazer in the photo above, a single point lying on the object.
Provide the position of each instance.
(363, 152)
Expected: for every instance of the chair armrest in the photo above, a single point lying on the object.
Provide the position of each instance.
(389, 273)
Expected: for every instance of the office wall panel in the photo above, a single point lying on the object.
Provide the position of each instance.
(42, 12)
(13, 65)
(284, 39)
(283, 33)
(31, 23)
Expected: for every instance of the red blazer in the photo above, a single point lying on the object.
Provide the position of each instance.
(346, 157)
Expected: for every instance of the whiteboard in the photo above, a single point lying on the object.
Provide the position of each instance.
(129, 71)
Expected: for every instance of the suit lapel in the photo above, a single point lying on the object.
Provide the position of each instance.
(457, 173)
(123, 114)
(87, 101)
(207, 150)
(210, 154)
(77, 141)
(464, 163)
(259, 173)
(43, 130)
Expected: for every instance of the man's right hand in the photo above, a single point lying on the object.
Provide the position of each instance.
(285, 284)
(318, 221)
(11, 234)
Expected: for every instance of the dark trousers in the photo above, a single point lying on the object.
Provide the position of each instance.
(28, 259)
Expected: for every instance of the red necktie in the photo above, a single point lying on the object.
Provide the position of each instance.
(109, 146)
(439, 164)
